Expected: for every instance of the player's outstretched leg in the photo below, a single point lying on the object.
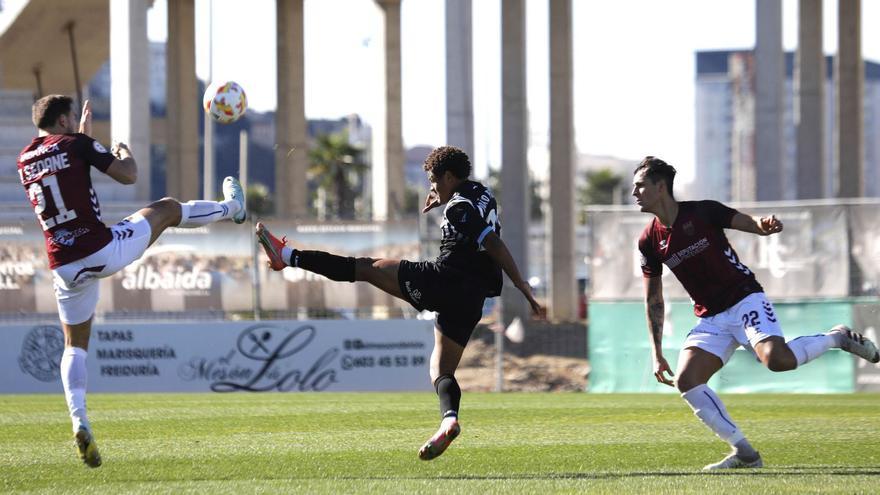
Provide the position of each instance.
(87, 447)
(338, 268)
(197, 213)
(856, 343)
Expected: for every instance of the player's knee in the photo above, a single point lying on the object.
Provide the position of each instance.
(782, 362)
(683, 383)
(779, 358)
(167, 205)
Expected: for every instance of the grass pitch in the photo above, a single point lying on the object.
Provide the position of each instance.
(367, 443)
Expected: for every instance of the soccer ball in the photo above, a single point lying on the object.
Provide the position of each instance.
(225, 101)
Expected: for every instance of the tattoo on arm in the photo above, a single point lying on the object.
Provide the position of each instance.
(656, 310)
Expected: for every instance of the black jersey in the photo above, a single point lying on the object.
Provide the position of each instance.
(469, 216)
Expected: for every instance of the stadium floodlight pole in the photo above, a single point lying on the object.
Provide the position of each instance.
(208, 164)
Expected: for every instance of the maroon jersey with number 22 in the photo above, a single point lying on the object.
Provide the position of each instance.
(699, 254)
(55, 173)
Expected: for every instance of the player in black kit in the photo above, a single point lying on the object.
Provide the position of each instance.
(468, 270)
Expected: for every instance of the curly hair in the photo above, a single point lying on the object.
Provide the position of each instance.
(656, 169)
(47, 109)
(448, 158)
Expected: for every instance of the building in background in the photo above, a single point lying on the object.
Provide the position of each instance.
(725, 93)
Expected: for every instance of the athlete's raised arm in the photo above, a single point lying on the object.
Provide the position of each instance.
(85, 121)
(655, 308)
(501, 255)
(124, 168)
(756, 225)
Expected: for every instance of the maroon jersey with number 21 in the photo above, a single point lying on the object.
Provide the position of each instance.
(55, 172)
(699, 254)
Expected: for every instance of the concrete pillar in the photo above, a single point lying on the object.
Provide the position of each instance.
(741, 69)
(563, 285)
(769, 105)
(459, 76)
(514, 145)
(849, 76)
(130, 85)
(809, 101)
(291, 154)
(387, 176)
(182, 109)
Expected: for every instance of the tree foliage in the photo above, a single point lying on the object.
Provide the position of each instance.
(493, 182)
(336, 166)
(603, 187)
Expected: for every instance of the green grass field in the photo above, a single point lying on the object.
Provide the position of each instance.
(367, 442)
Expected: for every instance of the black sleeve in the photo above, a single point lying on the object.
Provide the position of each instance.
(94, 153)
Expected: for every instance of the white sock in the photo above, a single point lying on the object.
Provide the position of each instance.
(286, 253)
(74, 378)
(810, 347)
(709, 408)
(197, 213)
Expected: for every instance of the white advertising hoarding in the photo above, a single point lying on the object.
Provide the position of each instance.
(282, 356)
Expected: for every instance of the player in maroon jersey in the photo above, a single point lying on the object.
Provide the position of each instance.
(55, 171)
(688, 237)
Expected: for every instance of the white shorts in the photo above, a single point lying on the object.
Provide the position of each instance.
(76, 284)
(744, 324)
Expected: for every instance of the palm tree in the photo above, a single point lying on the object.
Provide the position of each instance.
(603, 187)
(493, 182)
(332, 162)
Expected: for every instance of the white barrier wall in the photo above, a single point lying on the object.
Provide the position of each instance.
(285, 356)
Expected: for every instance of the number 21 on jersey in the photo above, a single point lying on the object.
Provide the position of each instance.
(37, 194)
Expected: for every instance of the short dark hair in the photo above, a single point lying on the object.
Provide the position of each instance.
(47, 109)
(448, 158)
(656, 169)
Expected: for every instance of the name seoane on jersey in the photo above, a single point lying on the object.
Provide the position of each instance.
(46, 166)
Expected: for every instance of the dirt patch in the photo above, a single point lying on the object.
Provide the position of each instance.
(535, 373)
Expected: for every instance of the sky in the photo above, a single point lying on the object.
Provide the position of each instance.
(633, 65)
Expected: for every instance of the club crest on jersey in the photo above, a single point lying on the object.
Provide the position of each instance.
(64, 237)
(663, 243)
(99, 147)
(688, 228)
